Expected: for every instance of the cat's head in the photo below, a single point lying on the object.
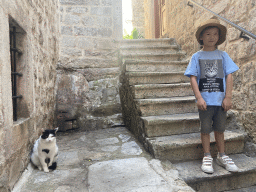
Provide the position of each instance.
(49, 135)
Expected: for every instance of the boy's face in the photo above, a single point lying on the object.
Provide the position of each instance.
(210, 37)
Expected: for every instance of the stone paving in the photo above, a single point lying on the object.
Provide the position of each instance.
(107, 160)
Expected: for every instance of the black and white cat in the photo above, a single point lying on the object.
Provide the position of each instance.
(45, 151)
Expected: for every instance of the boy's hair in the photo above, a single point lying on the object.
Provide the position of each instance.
(201, 34)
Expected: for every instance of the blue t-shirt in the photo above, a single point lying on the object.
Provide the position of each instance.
(211, 69)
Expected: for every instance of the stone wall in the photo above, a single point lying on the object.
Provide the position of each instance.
(88, 70)
(138, 16)
(182, 21)
(37, 24)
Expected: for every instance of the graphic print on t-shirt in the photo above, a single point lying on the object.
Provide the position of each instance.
(211, 76)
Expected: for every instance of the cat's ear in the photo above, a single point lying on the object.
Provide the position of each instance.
(56, 129)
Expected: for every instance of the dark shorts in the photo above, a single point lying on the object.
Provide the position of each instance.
(214, 119)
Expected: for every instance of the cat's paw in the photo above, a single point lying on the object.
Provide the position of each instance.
(46, 170)
(40, 168)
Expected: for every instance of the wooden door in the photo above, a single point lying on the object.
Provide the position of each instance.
(156, 14)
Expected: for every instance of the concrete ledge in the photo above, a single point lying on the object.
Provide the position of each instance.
(165, 125)
(162, 90)
(166, 41)
(188, 146)
(155, 66)
(136, 78)
(163, 56)
(166, 106)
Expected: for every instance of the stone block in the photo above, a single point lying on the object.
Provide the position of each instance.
(106, 11)
(108, 94)
(71, 91)
(88, 21)
(68, 42)
(100, 73)
(71, 52)
(121, 171)
(16, 166)
(239, 100)
(105, 44)
(82, 31)
(84, 43)
(92, 2)
(105, 32)
(249, 72)
(104, 21)
(73, 2)
(107, 2)
(249, 121)
(71, 19)
(252, 97)
(233, 34)
(65, 30)
(87, 63)
(131, 148)
(77, 9)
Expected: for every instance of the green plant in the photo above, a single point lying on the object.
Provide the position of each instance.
(134, 35)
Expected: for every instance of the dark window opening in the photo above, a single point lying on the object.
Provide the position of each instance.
(19, 67)
(14, 51)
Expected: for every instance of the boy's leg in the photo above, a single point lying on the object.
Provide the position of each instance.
(206, 127)
(205, 138)
(219, 138)
(207, 160)
(219, 123)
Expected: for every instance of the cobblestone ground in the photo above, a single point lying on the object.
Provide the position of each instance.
(101, 161)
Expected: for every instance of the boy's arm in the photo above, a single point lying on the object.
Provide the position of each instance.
(227, 102)
(201, 104)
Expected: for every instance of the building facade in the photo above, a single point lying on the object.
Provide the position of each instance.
(29, 35)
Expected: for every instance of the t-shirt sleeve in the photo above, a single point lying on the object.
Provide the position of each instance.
(229, 65)
(192, 67)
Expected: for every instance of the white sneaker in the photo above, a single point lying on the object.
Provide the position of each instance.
(227, 163)
(207, 165)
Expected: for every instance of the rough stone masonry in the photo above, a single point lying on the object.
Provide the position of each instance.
(37, 35)
(88, 70)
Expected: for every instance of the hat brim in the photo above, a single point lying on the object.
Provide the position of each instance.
(222, 28)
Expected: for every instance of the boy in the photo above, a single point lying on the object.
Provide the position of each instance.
(210, 71)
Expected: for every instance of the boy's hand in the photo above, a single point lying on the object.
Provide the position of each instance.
(227, 103)
(201, 104)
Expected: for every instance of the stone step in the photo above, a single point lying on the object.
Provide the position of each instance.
(186, 147)
(165, 56)
(220, 180)
(155, 66)
(149, 49)
(136, 78)
(165, 125)
(166, 106)
(147, 91)
(147, 42)
(245, 189)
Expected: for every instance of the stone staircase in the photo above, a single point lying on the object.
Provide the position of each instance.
(158, 106)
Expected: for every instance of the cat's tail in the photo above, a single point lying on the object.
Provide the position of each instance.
(53, 166)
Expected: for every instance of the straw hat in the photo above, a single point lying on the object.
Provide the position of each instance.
(215, 23)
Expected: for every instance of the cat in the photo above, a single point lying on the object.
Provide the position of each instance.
(211, 69)
(45, 151)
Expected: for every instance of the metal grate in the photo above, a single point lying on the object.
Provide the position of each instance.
(14, 51)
